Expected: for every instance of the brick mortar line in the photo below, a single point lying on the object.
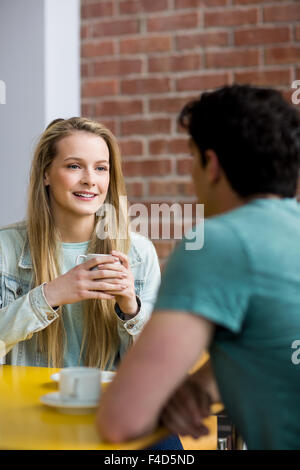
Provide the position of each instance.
(134, 117)
(189, 50)
(176, 54)
(179, 76)
(117, 47)
(181, 94)
(154, 158)
(175, 12)
(198, 53)
(184, 93)
(168, 156)
(167, 199)
(179, 179)
(175, 51)
(163, 34)
(261, 57)
(166, 34)
(171, 6)
(134, 159)
(170, 139)
(203, 71)
(147, 199)
(185, 52)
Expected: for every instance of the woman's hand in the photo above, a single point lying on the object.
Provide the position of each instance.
(125, 298)
(80, 283)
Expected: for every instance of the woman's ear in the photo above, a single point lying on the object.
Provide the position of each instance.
(46, 179)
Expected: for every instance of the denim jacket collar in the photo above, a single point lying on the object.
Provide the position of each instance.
(25, 260)
(134, 256)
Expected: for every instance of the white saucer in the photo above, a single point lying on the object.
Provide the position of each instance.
(106, 376)
(70, 407)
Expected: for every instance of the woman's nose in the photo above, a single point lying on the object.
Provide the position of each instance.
(88, 178)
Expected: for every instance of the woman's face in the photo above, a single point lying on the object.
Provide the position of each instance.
(78, 177)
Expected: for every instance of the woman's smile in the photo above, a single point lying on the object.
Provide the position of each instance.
(85, 196)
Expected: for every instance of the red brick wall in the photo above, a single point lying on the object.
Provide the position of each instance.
(143, 59)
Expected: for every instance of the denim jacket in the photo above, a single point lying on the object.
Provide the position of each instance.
(24, 310)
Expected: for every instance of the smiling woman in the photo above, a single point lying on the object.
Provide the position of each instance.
(77, 174)
(55, 313)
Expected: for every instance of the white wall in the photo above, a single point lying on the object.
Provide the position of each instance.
(62, 59)
(40, 66)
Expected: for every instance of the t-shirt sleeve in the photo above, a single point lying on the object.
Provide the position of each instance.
(213, 282)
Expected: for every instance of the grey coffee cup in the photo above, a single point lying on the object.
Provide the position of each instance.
(92, 256)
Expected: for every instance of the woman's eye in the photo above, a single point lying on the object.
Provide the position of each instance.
(73, 166)
(101, 168)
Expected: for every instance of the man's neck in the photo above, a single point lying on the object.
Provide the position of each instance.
(232, 201)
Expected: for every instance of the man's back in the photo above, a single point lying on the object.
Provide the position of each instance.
(255, 369)
(246, 280)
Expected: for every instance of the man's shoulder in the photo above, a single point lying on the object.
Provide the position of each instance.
(244, 223)
(262, 220)
(223, 232)
(223, 245)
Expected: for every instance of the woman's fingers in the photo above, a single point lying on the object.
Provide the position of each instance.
(123, 258)
(107, 285)
(109, 270)
(98, 260)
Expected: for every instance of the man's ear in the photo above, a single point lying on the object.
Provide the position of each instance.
(212, 167)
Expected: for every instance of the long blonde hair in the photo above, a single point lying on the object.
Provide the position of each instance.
(100, 342)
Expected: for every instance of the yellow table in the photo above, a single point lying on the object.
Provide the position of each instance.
(25, 423)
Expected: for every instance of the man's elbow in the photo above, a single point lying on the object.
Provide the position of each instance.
(120, 429)
(112, 433)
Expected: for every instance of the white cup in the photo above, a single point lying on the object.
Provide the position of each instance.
(92, 256)
(80, 384)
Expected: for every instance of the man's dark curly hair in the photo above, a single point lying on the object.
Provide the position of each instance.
(255, 133)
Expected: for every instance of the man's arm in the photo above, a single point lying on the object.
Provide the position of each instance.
(155, 366)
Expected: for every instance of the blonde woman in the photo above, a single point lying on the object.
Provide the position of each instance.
(54, 312)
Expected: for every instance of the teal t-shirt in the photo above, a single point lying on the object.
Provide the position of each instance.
(72, 313)
(246, 280)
